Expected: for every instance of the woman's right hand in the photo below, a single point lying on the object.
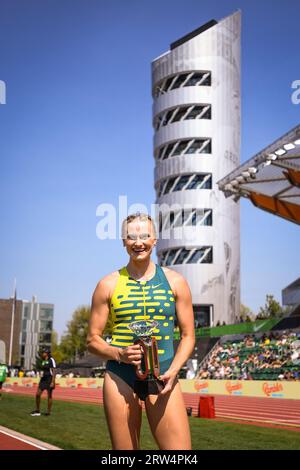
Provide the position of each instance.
(131, 355)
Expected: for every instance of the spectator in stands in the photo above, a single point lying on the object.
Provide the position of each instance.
(273, 354)
(248, 341)
(205, 374)
(297, 375)
(288, 375)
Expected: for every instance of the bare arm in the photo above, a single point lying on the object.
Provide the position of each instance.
(53, 373)
(185, 317)
(99, 315)
(98, 319)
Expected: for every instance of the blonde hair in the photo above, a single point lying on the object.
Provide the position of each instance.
(140, 216)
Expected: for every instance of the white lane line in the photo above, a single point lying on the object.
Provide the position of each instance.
(259, 411)
(290, 422)
(267, 415)
(258, 420)
(268, 403)
(248, 415)
(23, 440)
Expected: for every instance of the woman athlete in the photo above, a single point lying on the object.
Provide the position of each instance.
(142, 290)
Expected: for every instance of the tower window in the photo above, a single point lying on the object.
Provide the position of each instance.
(183, 79)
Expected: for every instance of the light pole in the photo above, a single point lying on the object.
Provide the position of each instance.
(12, 323)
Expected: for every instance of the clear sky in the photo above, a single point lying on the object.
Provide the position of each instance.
(76, 131)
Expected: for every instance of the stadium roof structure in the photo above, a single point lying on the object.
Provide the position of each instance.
(291, 293)
(270, 179)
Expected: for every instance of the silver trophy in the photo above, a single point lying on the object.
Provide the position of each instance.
(148, 371)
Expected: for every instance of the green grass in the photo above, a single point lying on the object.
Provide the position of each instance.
(83, 426)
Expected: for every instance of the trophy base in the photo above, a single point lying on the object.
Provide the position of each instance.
(143, 388)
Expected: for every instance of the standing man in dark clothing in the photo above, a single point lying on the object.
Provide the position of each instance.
(47, 382)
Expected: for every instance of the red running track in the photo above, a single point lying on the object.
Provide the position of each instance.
(8, 442)
(273, 412)
(12, 440)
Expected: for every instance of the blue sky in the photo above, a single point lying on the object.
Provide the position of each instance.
(76, 131)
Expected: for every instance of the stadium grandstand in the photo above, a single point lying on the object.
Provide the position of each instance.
(266, 350)
(267, 356)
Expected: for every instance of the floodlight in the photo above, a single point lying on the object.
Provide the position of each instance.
(280, 152)
(289, 146)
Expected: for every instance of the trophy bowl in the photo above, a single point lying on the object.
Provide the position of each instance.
(143, 329)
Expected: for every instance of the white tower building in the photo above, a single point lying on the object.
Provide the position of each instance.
(196, 117)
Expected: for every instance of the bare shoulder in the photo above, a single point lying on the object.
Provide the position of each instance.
(176, 280)
(106, 285)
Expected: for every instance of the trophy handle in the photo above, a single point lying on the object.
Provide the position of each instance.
(138, 369)
(155, 362)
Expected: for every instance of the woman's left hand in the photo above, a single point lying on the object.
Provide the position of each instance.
(169, 378)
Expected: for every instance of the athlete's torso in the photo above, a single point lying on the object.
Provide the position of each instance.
(134, 300)
(47, 365)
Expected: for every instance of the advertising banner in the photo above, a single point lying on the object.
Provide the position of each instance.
(243, 388)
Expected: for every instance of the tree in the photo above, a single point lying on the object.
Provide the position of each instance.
(38, 362)
(73, 342)
(272, 308)
(245, 313)
(56, 351)
(54, 340)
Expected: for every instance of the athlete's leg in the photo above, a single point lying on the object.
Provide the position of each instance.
(168, 420)
(49, 400)
(123, 413)
(38, 399)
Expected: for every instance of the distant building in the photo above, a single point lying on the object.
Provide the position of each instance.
(6, 307)
(291, 294)
(33, 324)
(36, 328)
(2, 352)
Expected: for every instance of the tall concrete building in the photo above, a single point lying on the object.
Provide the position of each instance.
(10, 333)
(36, 329)
(196, 119)
(29, 331)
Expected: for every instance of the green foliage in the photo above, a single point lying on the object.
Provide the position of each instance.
(246, 313)
(38, 362)
(54, 340)
(56, 352)
(73, 342)
(272, 309)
